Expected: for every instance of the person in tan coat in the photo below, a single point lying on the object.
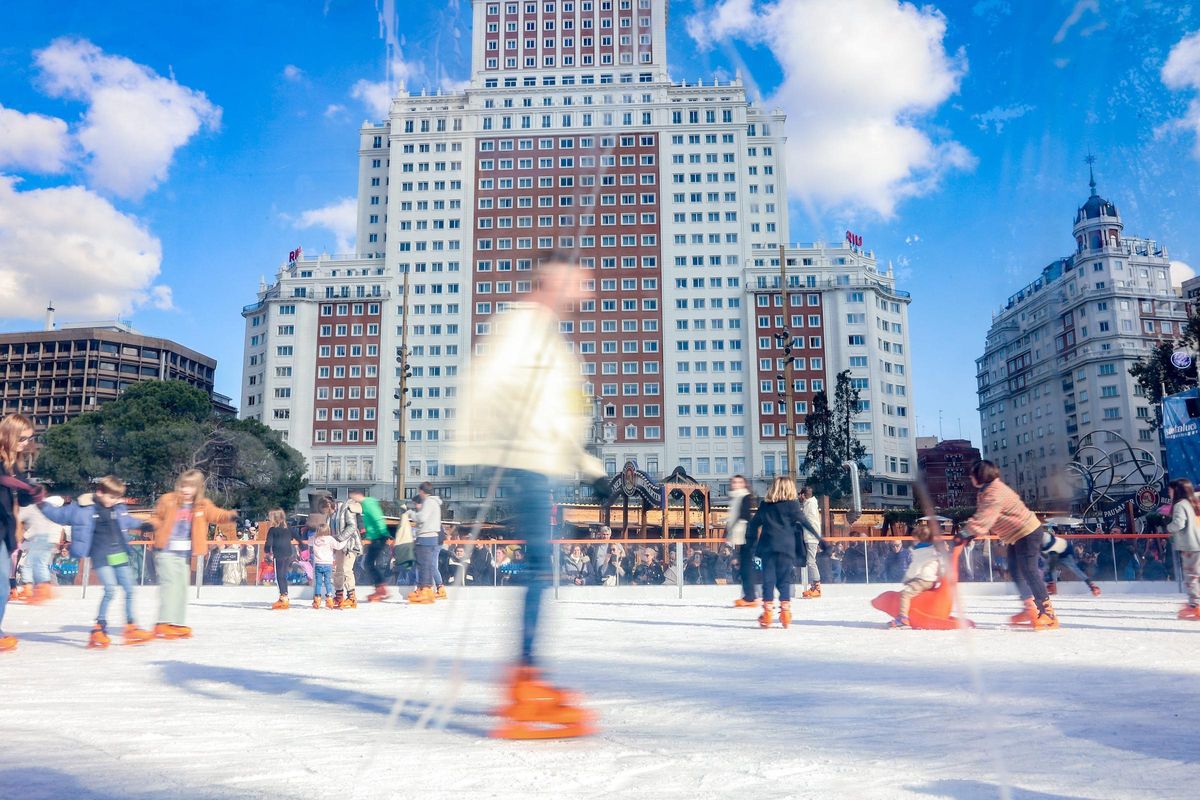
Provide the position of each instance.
(180, 520)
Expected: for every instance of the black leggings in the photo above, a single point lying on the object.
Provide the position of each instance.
(283, 565)
(378, 562)
(1024, 556)
(746, 570)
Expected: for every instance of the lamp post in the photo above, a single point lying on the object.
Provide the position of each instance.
(402, 391)
(786, 338)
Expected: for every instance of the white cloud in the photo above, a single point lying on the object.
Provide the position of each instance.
(377, 95)
(293, 73)
(339, 217)
(136, 119)
(32, 142)
(334, 110)
(1182, 71)
(857, 77)
(72, 246)
(1081, 7)
(912, 238)
(998, 116)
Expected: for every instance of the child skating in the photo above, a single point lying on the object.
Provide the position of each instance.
(100, 525)
(1059, 555)
(922, 573)
(323, 548)
(776, 529)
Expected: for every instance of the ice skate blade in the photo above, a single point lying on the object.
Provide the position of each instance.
(522, 731)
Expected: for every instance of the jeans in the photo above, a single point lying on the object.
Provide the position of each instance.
(376, 558)
(1028, 577)
(1190, 559)
(531, 504)
(746, 570)
(812, 546)
(172, 587)
(1068, 564)
(36, 566)
(5, 571)
(427, 562)
(777, 573)
(112, 577)
(322, 580)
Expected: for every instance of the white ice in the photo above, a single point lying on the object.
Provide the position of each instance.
(695, 700)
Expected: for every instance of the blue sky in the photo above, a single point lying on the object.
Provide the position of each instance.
(950, 136)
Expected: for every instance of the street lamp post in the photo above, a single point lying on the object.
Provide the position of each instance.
(402, 391)
(788, 359)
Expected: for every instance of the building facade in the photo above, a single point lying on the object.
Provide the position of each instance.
(570, 137)
(946, 469)
(54, 375)
(1054, 380)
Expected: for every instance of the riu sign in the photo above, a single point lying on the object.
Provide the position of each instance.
(294, 255)
(854, 239)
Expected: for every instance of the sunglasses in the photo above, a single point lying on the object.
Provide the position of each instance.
(28, 438)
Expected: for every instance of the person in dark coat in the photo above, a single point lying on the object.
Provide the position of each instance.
(776, 531)
(279, 546)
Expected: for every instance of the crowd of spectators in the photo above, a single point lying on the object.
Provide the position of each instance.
(602, 560)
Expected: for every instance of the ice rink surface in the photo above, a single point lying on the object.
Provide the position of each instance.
(695, 701)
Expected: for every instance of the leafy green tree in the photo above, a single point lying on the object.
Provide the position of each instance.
(1158, 377)
(157, 429)
(831, 441)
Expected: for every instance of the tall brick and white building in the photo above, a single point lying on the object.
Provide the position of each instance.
(570, 136)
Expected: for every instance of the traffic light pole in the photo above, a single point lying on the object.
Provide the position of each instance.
(402, 392)
(788, 359)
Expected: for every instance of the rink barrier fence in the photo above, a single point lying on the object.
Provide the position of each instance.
(254, 570)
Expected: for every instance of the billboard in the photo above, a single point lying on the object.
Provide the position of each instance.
(1181, 431)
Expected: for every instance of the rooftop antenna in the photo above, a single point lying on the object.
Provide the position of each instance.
(50, 316)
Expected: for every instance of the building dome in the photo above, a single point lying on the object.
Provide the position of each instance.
(1095, 207)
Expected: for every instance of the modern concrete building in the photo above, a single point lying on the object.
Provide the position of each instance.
(56, 374)
(570, 136)
(1054, 378)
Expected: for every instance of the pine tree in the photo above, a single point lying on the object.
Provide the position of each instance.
(831, 440)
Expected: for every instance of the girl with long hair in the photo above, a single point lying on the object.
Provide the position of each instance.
(1184, 528)
(16, 437)
(774, 531)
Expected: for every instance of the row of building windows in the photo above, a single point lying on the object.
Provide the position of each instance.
(344, 435)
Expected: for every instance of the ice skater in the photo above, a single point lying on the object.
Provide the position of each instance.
(1185, 538)
(347, 528)
(16, 491)
(922, 573)
(282, 552)
(42, 538)
(324, 546)
(777, 534)
(525, 413)
(999, 509)
(1060, 555)
(180, 523)
(812, 542)
(100, 524)
(741, 511)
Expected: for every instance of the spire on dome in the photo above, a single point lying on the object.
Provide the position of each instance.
(1090, 160)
